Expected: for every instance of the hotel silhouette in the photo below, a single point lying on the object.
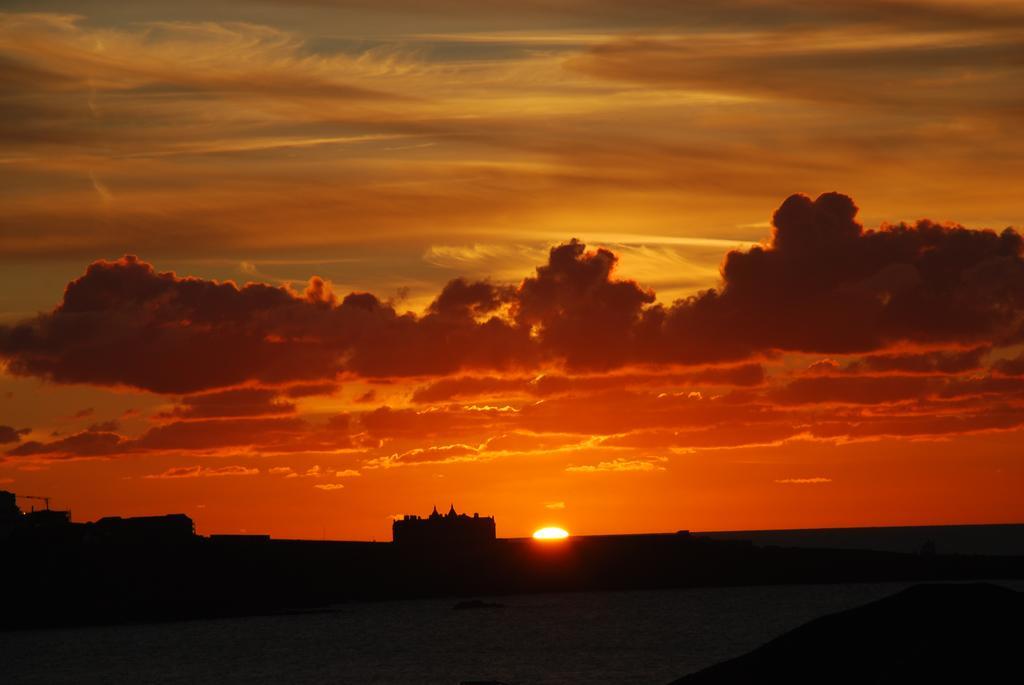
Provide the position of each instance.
(450, 529)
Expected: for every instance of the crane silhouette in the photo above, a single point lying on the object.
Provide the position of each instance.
(44, 500)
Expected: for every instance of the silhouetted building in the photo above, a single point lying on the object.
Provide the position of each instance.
(450, 529)
(36, 521)
(46, 524)
(10, 514)
(47, 518)
(146, 529)
(9, 511)
(55, 526)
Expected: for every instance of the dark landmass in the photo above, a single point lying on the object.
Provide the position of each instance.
(477, 604)
(968, 633)
(92, 579)
(990, 539)
(152, 568)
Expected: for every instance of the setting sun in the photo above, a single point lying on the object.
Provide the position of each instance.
(551, 534)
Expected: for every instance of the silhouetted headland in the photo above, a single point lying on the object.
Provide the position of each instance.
(998, 539)
(967, 633)
(156, 568)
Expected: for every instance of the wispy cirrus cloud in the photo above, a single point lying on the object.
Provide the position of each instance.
(204, 472)
(446, 132)
(621, 465)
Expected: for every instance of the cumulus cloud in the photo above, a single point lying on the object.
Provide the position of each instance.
(822, 284)
(825, 284)
(827, 331)
(123, 323)
(578, 311)
(329, 486)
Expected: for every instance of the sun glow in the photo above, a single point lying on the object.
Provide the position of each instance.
(551, 534)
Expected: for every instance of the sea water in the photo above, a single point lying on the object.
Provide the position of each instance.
(586, 637)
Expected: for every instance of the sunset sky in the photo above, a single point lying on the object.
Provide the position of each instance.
(299, 267)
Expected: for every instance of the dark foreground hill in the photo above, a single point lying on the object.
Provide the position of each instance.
(966, 633)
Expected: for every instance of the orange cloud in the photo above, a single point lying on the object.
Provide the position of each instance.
(823, 284)
(9, 434)
(619, 465)
(228, 403)
(205, 472)
(1011, 367)
(940, 361)
(546, 385)
(84, 444)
